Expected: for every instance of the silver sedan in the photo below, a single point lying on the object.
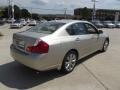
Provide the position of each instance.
(57, 44)
(16, 24)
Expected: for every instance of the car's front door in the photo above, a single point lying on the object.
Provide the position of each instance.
(81, 38)
(94, 37)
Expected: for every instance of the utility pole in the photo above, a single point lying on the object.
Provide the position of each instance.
(31, 13)
(9, 14)
(65, 13)
(65, 10)
(94, 10)
(117, 17)
(12, 11)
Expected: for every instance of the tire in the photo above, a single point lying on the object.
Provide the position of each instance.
(105, 46)
(69, 62)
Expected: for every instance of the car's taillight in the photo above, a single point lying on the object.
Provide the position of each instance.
(39, 47)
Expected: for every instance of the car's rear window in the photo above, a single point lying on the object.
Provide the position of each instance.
(46, 28)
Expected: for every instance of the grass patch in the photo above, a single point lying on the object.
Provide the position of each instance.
(1, 34)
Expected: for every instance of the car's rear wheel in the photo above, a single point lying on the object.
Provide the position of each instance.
(69, 62)
(105, 45)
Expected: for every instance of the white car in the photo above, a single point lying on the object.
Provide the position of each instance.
(10, 20)
(43, 21)
(28, 20)
(57, 44)
(16, 24)
(118, 25)
(98, 24)
(109, 24)
(32, 23)
(24, 23)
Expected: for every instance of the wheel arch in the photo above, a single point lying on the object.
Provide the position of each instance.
(75, 51)
(108, 39)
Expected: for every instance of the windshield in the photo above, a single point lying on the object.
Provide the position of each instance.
(46, 28)
(17, 22)
(22, 20)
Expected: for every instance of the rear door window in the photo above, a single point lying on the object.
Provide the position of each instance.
(77, 29)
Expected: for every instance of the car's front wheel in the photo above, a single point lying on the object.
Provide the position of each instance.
(69, 62)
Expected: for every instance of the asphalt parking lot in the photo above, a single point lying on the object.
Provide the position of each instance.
(99, 71)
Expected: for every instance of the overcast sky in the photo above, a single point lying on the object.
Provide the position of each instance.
(61, 4)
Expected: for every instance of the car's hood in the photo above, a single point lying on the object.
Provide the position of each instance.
(32, 22)
(110, 24)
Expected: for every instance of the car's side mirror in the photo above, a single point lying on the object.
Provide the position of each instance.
(100, 31)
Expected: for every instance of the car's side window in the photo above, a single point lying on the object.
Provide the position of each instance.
(77, 29)
(90, 29)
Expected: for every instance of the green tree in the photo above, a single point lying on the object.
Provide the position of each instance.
(5, 13)
(1, 10)
(25, 13)
(17, 12)
(35, 16)
(86, 13)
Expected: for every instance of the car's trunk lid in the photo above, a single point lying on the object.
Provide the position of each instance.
(24, 39)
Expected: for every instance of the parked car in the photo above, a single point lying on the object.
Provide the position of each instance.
(16, 24)
(24, 23)
(32, 23)
(109, 24)
(57, 44)
(118, 24)
(43, 21)
(98, 24)
(28, 20)
(38, 22)
(11, 20)
(2, 21)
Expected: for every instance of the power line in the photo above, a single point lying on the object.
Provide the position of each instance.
(47, 9)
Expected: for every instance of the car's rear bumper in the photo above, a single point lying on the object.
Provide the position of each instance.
(35, 61)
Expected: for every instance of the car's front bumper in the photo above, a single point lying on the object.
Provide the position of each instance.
(118, 26)
(32, 24)
(111, 26)
(35, 61)
(15, 26)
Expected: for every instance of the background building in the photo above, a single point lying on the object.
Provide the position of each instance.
(101, 14)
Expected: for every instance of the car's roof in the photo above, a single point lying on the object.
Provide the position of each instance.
(68, 21)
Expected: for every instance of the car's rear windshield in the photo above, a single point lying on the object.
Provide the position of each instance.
(46, 28)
